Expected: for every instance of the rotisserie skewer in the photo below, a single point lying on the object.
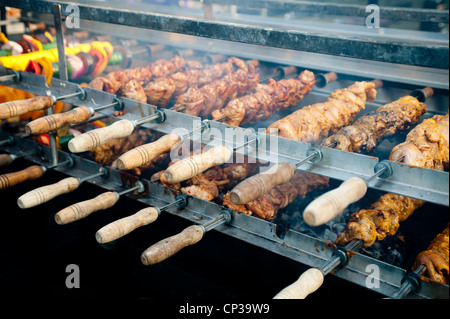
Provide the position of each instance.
(85, 208)
(29, 173)
(126, 225)
(189, 236)
(43, 194)
(431, 137)
(7, 159)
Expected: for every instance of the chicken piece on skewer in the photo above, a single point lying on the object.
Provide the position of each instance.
(201, 102)
(315, 122)
(133, 90)
(267, 99)
(367, 131)
(426, 145)
(436, 259)
(268, 205)
(161, 91)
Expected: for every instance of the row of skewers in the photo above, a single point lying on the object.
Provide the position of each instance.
(238, 98)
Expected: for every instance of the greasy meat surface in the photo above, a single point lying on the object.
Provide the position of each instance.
(426, 145)
(315, 122)
(201, 102)
(161, 91)
(383, 217)
(268, 205)
(435, 258)
(113, 82)
(367, 131)
(267, 99)
(380, 220)
(133, 90)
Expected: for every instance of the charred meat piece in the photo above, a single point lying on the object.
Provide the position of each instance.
(367, 131)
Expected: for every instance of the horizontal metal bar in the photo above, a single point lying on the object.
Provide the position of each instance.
(417, 54)
(392, 13)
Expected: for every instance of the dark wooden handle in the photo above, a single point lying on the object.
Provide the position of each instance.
(170, 246)
(16, 108)
(5, 160)
(256, 186)
(27, 174)
(56, 121)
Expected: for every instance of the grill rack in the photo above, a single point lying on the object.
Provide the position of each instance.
(429, 185)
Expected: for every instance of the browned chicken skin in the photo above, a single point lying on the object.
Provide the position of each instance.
(267, 98)
(315, 122)
(435, 258)
(383, 217)
(367, 131)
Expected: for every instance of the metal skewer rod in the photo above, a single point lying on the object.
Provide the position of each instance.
(411, 283)
(29, 173)
(103, 201)
(126, 225)
(6, 159)
(189, 236)
(7, 141)
(44, 194)
(312, 279)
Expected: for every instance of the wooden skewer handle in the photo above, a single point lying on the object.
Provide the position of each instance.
(256, 186)
(19, 107)
(126, 225)
(170, 246)
(56, 121)
(98, 137)
(192, 166)
(331, 204)
(27, 174)
(146, 153)
(83, 209)
(43, 194)
(307, 283)
(5, 160)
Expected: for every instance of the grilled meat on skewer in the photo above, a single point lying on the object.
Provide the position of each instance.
(201, 102)
(367, 131)
(315, 122)
(426, 147)
(435, 258)
(163, 89)
(267, 99)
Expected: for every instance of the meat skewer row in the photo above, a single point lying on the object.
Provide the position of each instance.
(203, 101)
(383, 217)
(95, 138)
(269, 98)
(385, 121)
(162, 90)
(114, 81)
(425, 146)
(433, 263)
(190, 167)
(266, 208)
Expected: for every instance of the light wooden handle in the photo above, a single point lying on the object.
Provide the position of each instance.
(256, 186)
(146, 153)
(5, 160)
(56, 121)
(98, 137)
(194, 165)
(170, 246)
(307, 283)
(27, 174)
(83, 209)
(126, 225)
(19, 107)
(331, 204)
(43, 194)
